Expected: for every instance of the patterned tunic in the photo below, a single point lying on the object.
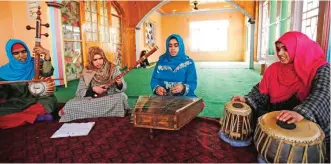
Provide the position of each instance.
(315, 108)
(115, 103)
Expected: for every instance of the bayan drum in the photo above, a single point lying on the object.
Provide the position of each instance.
(279, 142)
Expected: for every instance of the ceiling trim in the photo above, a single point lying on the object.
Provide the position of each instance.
(151, 11)
(239, 8)
(201, 12)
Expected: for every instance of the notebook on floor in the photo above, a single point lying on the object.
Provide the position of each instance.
(73, 129)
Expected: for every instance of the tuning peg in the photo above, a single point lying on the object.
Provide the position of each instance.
(46, 25)
(46, 34)
(29, 27)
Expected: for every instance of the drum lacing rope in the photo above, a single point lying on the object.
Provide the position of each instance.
(260, 138)
(247, 125)
(305, 155)
(225, 124)
(322, 151)
(290, 156)
(280, 146)
(266, 146)
(232, 125)
(256, 133)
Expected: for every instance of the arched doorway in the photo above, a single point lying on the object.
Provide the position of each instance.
(235, 7)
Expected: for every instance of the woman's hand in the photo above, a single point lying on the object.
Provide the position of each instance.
(178, 88)
(161, 91)
(238, 98)
(41, 50)
(99, 89)
(289, 116)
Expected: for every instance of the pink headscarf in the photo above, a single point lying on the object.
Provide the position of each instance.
(281, 81)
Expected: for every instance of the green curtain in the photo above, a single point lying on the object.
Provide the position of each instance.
(285, 12)
(272, 28)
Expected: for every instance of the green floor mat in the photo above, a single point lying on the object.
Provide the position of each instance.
(215, 85)
(64, 94)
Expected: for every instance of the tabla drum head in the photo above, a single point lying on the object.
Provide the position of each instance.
(304, 131)
(238, 108)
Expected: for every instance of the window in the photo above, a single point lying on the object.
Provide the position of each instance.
(309, 18)
(265, 29)
(72, 39)
(276, 20)
(102, 27)
(116, 42)
(209, 35)
(284, 16)
(91, 21)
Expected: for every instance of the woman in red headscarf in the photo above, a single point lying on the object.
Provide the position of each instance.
(298, 85)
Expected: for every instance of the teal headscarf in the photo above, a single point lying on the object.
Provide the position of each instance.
(15, 69)
(182, 69)
(180, 57)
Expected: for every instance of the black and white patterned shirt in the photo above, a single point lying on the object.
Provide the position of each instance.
(315, 108)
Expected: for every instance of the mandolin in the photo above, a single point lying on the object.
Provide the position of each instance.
(95, 95)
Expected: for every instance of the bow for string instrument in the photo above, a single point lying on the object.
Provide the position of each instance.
(95, 95)
(38, 86)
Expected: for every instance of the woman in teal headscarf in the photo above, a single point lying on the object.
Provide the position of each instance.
(16, 98)
(175, 72)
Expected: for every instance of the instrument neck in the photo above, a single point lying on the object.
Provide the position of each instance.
(37, 62)
(130, 68)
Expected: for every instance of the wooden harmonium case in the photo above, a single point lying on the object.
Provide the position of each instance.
(166, 112)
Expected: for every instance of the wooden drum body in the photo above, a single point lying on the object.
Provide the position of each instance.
(236, 123)
(275, 143)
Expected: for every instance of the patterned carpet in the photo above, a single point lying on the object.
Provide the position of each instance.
(117, 140)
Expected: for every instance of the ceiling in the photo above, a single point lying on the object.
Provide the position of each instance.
(187, 6)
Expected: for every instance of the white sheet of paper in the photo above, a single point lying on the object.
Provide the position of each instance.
(73, 129)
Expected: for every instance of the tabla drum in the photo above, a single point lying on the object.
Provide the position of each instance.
(279, 142)
(45, 87)
(236, 123)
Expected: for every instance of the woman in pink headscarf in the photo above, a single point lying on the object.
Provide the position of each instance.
(298, 85)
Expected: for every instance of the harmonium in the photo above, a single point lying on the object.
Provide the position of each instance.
(166, 112)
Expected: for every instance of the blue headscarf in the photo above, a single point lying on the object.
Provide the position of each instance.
(180, 57)
(15, 69)
(182, 70)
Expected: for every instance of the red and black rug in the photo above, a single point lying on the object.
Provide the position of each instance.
(117, 140)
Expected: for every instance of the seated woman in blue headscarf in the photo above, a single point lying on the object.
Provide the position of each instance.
(17, 104)
(175, 72)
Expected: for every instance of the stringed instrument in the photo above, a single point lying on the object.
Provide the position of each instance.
(95, 95)
(38, 86)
